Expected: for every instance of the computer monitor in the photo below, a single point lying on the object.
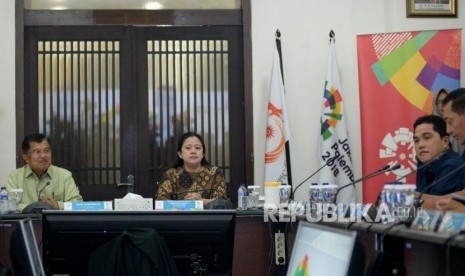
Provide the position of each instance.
(321, 250)
(24, 253)
(197, 240)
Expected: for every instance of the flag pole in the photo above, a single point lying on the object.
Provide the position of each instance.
(278, 46)
(288, 156)
(334, 140)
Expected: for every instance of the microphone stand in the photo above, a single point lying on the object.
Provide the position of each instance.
(418, 201)
(421, 167)
(373, 210)
(384, 169)
(129, 184)
(40, 191)
(306, 179)
(38, 206)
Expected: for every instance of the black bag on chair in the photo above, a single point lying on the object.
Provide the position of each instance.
(137, 251)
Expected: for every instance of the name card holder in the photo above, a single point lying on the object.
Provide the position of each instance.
(427, 220)
(88, 206)
(178, 205)
(452, 223)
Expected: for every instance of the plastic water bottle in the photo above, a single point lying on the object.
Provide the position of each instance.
(394, 202)
(3, 201)
(242, 197)
(402, 211)
(384, 203)
(409, 199)
(313, 193)
(314, 196)
(409, 194)
(328, 192)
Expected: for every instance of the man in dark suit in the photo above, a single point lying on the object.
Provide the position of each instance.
(454, 115)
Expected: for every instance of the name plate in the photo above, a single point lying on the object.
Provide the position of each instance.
(178, 205)
(427, 220)
(88, 206)
(452, 223)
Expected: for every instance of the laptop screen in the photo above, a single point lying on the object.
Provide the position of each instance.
(321, 250)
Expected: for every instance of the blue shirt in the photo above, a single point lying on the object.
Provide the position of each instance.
(438, 169)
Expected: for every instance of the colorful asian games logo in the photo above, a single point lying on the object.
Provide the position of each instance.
(302, 268)
(332, 111)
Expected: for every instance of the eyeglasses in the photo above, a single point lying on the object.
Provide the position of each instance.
(38, 152)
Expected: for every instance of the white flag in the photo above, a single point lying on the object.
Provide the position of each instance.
(334, 140)
(277, 128)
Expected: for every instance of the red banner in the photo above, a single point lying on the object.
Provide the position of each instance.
(399, 73)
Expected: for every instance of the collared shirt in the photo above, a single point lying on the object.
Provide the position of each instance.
(177, 182)
(438, 169)
(57, 183)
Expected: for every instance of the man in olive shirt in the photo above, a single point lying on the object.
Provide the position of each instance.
(39, 179)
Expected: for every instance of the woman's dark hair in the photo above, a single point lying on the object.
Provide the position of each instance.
(179, 162)
(457, 97)
(441, 91)
(36, 137)
(439, 125)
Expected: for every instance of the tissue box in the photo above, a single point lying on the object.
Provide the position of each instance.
(134, 204)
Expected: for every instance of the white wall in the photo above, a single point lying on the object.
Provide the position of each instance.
(305, 26)
(7, 90)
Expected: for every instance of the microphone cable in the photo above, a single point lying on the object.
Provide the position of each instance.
(385, 231)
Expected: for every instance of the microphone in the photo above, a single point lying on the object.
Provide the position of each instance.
(421, 167)
(219, 203)
(176, 194)
(384, 169)
(129, 184)
(38, 206)
(378, 198)
(40, 191)
(330, 160)
(373, 210)
(419, 201)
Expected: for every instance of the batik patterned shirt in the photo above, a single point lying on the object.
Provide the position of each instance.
(177, 182)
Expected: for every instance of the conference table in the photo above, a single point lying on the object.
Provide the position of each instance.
(405, 250)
